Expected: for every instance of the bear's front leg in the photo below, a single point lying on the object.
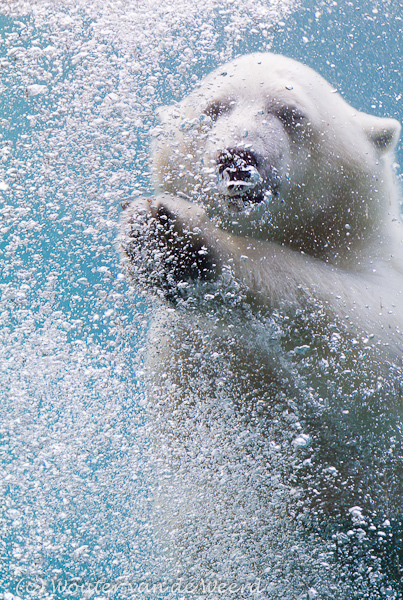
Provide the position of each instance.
(162, 245)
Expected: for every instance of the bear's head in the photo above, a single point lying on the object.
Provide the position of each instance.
(271, 150)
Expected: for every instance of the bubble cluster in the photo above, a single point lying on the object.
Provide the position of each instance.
(81, 82)
(80, 85)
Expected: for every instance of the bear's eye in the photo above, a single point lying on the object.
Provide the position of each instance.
(290, 116)
(216, 108)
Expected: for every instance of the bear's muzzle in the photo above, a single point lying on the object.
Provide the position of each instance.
(240, 176)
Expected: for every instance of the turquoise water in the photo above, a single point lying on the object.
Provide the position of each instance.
(79, 87)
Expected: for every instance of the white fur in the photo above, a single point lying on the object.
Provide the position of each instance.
(332, 173)
(318, 259)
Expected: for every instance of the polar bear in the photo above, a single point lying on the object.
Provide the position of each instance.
(274, 362)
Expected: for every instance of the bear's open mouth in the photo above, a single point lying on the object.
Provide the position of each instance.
(241, 181)
(241, 202)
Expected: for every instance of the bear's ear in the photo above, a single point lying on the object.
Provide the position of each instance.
(383, 133)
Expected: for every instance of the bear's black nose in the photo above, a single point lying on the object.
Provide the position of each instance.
(238, 164)
(238, 175)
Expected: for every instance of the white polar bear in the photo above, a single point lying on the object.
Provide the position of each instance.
(274, 367)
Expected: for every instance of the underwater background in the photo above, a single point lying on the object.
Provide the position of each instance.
(80, 82)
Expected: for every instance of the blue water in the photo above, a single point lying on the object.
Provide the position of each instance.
(74, 477)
